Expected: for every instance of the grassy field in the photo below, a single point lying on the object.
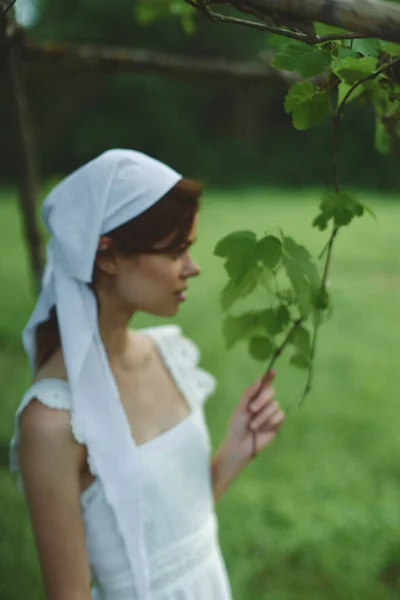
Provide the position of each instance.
(317, 516)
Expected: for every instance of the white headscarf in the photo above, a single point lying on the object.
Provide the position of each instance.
(113, 188)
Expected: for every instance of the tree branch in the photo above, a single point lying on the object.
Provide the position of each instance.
(368, 18)
(9, 7)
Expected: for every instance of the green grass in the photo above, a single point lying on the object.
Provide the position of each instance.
(317, 515)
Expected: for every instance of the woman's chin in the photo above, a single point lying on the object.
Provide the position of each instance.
(164, 311)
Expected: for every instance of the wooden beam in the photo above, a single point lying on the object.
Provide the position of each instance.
(26, 161)
(121, 59)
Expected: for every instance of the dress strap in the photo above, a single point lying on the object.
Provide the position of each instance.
(181, 356)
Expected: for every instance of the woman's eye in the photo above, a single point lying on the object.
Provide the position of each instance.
(179, 253)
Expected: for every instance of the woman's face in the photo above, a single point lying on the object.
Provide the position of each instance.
(154, 283)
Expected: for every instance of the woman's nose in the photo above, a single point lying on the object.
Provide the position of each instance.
(192, 269)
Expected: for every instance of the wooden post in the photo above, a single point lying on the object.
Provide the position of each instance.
(26, 162)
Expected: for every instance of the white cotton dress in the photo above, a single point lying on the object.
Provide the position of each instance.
(180, 525)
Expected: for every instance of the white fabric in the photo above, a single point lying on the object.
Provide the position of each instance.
(180, 526)
(106, 192)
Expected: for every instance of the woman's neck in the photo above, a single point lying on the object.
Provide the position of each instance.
(113, 322)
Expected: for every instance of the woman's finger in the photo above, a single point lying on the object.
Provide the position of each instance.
(265, 415)
(262, 399)
(276, 420)
(263, 439)
(257, 387)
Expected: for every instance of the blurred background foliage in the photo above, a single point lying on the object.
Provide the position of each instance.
(222, 132)
(317, 517)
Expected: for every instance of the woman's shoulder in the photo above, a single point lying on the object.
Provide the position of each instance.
(44, 413)
(48, 390)
(50, 385)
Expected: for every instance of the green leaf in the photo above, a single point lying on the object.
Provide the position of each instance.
(367, 47)
(391, 48)
(270, 321)
(266, 278)
(351, 69)
(308, 106)
(299, 93)
(301, 340)
(305, 60)
(269, 251)
(240, 249)
(344, 88)
(383, 141)
(341, 208)
(393, 109)
(242, 327)
(261, 348)
(148, 11)
(263, 323)
(288, 296)
(300, 286)
(282, 317)
(234, 243)
(344, 52)
(321, 222)
(302, 273)
(377, 95)
(235, 291)
(300, 361)
(322, 299)
(369, 210)
(301, 256)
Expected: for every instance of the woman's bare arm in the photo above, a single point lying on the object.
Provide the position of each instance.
(50, 462)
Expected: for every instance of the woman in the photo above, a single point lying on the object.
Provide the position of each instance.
(111, 442)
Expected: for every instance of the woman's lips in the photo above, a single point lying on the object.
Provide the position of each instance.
(181, 295)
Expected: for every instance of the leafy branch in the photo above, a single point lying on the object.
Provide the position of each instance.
(247, 258)
(369, 77)
(334, 69)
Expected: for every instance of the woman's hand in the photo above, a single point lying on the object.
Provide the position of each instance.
(254, 423)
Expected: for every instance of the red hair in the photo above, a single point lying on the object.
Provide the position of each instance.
(173, 215)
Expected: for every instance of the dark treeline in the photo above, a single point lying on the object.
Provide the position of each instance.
(222, 132)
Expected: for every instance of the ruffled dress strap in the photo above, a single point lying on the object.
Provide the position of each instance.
(54, 393)
(181, 356)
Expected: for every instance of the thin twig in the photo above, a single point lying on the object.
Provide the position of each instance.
(328, 248)
(274, 357)
(336, 37)
(310, 375)
(9, 7)
(336, 121)
(335, 158)
(360, 82)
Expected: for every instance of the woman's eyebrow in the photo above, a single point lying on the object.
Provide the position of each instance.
(188, 243)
